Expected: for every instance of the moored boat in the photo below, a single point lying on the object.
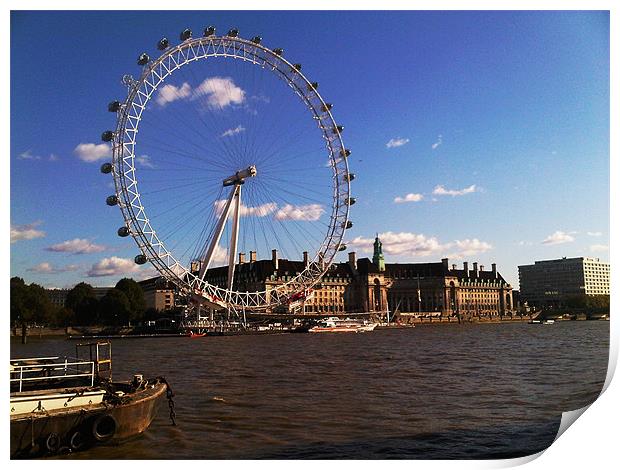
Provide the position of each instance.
(62, 405)
(337, 325)
(191, 334)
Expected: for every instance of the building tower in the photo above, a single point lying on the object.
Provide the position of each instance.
(377, 257)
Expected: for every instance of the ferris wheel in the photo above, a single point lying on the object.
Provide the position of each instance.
(224, 148)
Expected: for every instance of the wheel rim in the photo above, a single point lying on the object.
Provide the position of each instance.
(127, 185)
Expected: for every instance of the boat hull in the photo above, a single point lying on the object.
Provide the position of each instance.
(75, 428)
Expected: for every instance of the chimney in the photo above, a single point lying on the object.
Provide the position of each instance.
(352, 261)
(195, 266)
(241, 258)
(454, 267)
(252, 257)
(274, 258)
(481, 267)
(444, 261)
(466, 268)
(305, 259)
(494, 270)
(475, 269)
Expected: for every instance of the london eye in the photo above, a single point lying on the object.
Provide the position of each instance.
(224, 151)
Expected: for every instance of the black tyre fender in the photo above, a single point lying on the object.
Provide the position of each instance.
(52, 442)
(77, 441)
(104, 427)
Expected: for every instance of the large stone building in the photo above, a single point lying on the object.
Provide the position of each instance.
(364, 285)
(550, 283)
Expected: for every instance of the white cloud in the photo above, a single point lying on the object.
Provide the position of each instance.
(402, 243)
(92, 152)
(26, 232)
(220, 256)
(438, 143)
(306, 212)
(145, 161)
(441, 191)
(398, 142)
(47, 268)
(599, 248)
(595, 234)
(219, 92)
(557, 238)
(411, 197)
(113, 266)
(258, 211)
(419, 245)
(78, 246)
(169, 93)
(469, 247)
(27, 155)
(234, 131)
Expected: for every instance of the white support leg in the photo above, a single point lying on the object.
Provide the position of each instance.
(206, 261)
(235, 180)
(234, 237)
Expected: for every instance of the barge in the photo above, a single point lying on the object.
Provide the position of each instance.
(61, 405)
(337, 325)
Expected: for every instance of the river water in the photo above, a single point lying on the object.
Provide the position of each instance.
(430, 392)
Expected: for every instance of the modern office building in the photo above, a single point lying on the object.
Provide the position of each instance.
(550, 283)
(159, 294)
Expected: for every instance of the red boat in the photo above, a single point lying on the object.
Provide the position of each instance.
(191, 334)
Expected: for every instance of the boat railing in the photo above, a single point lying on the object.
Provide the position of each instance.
(43, 370)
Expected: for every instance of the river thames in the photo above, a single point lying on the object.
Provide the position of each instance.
(468, 391)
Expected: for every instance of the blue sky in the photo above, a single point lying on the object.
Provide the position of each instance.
(481, 136)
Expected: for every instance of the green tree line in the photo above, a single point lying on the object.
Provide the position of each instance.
(124, 303)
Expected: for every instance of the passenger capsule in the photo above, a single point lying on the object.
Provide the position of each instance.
(313, 86)
(111, 200)
(233, 33)
(114, 106)
(297, 67)
(350, 201)
(143, 59)
(163, 44)
(186, 34)
(338, 129)
(257, 39)
(349, 177)
(140, 259)
(123, 231)
(345, 153)
(326, 107)
(342, 247)
(278, 51)
(107, 136)
(106, 168)
(209, 31)
(348, 225)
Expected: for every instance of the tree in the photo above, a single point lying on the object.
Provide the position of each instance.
(29, 303)
(135, 295)
(81, 300)
(40, 304)
(115, 308)
(64, 316)
(19, 311)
